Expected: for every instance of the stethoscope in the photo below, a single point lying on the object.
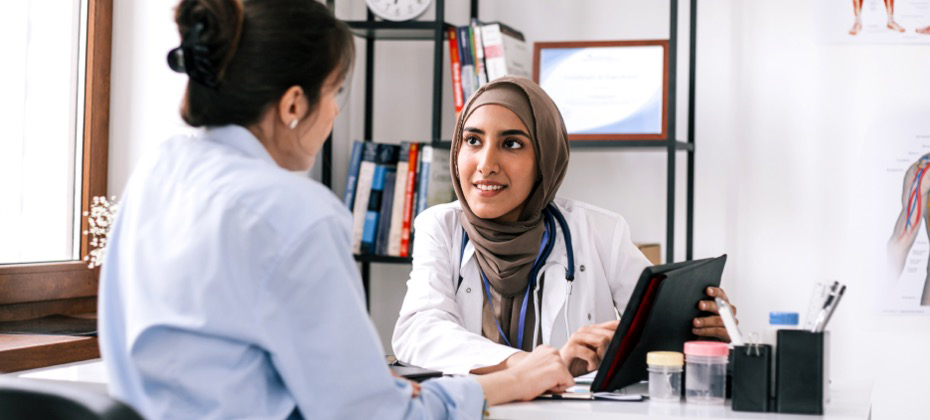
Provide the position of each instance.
(545, 248)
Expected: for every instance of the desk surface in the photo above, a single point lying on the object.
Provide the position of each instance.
(846, 403)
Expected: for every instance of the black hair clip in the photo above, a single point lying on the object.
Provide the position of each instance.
(193, 58)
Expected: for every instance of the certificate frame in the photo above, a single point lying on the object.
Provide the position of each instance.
(657, 126)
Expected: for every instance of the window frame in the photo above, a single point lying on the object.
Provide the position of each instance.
(36, 289)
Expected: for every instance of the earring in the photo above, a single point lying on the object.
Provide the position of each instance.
(293, 124)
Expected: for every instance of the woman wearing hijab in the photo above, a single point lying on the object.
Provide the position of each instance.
(229, 289)
(489, 279)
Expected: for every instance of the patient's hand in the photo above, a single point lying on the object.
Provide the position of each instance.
(541, 371)
(586, 347)
(712, 326)
(415, 387)
(535, 373)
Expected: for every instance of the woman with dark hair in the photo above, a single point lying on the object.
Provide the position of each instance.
(229, 289)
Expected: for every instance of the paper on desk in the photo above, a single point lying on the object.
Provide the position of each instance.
(583, 387)
(587, 379)
(613, 396)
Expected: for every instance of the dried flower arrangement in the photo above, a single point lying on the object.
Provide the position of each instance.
(100, 218)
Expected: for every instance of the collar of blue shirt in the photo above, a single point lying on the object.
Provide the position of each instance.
(241, 139)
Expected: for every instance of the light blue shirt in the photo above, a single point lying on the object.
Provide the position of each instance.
(229, 291)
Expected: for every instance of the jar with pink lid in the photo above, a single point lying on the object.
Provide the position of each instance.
(705, 372)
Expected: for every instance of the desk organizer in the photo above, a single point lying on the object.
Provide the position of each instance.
(752, 377)
(801, 371)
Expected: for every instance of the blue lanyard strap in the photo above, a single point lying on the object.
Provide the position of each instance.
(545, 248)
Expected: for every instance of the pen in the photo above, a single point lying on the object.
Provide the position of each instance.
(832, 308)
(729, 322)
(822, 314)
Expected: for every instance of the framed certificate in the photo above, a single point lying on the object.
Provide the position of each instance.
(607, 90)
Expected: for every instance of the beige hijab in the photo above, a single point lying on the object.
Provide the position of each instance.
(506, 250)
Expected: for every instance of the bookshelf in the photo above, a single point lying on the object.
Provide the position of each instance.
(435, 31)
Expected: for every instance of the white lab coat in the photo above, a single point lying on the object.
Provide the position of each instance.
(440, 327)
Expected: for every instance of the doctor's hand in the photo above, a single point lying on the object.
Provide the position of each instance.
(586, 347)
(712, 326)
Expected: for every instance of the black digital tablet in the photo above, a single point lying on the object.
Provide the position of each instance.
(657, 318)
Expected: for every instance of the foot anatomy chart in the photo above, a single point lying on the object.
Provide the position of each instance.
(873, 21)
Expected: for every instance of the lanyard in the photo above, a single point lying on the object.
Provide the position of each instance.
(545, 248)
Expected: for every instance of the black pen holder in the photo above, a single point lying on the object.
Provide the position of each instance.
(752, 377)
(801, 377)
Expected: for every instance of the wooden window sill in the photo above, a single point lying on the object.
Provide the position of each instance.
(26, 351)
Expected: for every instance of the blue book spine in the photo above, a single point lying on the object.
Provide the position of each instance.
(426, 157)
(387, 204)
(374, 205)
(469, 78)
(352, 178)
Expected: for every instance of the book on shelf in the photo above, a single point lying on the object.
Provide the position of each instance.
(478, 50)
(434, 179)
(366, 171)
(481, 52)
(355, 159)
(394, 184)
(409, 203)
(387, 208)
(396, 226)
(385, 160)
(506, 52)
(469, 77)
(456, 70)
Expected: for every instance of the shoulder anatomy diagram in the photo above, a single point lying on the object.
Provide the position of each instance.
(915, 199)
(914, 202)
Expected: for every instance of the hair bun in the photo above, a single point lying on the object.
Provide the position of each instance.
(217, 25)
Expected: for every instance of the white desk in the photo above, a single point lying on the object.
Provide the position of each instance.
(846, 402)
(852, 403)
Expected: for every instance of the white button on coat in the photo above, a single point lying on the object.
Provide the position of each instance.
(440, 323)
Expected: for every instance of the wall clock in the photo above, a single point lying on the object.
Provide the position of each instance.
(398, 10)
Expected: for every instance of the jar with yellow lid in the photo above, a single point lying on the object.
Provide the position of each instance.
(665, 371)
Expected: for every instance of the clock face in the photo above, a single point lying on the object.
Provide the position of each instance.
(398, 10)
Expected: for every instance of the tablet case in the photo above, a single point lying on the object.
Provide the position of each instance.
(658, 317)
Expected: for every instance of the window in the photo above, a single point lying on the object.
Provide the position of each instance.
(39, 154)
(53, 156)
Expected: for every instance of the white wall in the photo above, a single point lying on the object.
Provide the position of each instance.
(780, 128)
(145, 94)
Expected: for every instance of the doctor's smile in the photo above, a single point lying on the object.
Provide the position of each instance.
(488, 188)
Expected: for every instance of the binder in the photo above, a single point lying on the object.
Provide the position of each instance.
(658, 317)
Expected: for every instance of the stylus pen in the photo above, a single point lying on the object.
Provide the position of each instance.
(729, 322)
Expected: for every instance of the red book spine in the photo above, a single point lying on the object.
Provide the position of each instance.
(457, 94)
(410, 187)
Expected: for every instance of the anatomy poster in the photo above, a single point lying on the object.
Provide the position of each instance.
(898, 149)
(873, 21)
